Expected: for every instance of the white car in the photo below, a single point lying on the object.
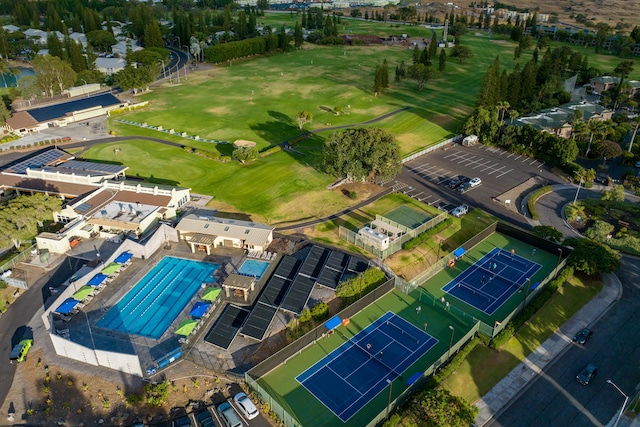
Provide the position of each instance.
(474, 182)
(460, 210)
(246, 405)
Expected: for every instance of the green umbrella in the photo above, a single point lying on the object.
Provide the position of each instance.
(186, 327)
(83, 292)
(111, 268)
(211, 294)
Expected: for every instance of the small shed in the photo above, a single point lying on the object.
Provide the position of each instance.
(470, 140)
(239, 285)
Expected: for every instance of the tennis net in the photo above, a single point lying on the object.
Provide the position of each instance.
(369, 353)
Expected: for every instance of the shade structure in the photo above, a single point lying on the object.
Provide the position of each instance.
(82, 293)
(111, 268)
(123, 258)
(186, 327)
(199, 309)
(97, 279)
(211, 294)
(67, 306)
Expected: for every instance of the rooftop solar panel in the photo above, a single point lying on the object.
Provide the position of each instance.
(259, 321)
(288, 267)
(330, 278)
(298, 294)
(357, 265)
(226, 327)
(274, 291)
(338, 260)
(38, 161)
(83, 207)
(312, 266)
(93, 166)
(51, 112)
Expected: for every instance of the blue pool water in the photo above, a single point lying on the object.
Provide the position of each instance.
(155, 301)
(252, 267)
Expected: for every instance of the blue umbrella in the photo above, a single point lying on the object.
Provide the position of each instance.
(97, 279)
(199, 309)
(123, 258)
(67, 306)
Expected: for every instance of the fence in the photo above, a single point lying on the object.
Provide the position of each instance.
(395, 245)
(432, 148)
(17, 259)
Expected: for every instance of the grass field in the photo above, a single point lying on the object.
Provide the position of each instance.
(485, 367)
(281, 383)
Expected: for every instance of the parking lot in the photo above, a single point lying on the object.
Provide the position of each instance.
(427, 178)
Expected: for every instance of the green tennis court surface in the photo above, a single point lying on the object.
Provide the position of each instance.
(408, 217)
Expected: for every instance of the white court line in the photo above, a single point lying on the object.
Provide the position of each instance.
(495, 170)
(504, 173)
(492, 167)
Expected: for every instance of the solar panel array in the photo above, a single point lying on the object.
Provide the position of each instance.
(51, 112)
(226, 327)
(298, 294)
(93, 166)
(37, 161)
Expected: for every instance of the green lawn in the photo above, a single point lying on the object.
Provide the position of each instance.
(485, 367)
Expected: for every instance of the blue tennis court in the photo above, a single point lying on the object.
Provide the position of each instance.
(351, 375)
(491, 280)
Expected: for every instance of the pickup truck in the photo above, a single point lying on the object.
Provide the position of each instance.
(460, 211)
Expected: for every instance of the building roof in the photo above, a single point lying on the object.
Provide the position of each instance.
(21, 120)
(124, 200)
(252, 233)
(605, 79)
(40, 185)
(63, 109)
(127, 216)
(115, 63)
(50, 157)
(107, 168)
(555, 118)
(237, 281)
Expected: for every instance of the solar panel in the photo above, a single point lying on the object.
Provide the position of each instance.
(330, 278)
(83, 207)
(226, 327)
(288, 267)
(93, 166)
(357, 265)
(259, 321)
(312, 266)
(338, 260)
(51, 112)
(298, 294)
(274, 291)
(37, 161)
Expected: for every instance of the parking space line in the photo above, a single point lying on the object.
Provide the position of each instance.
(482, 164)
(509, 156)
(495, 170)
(520, 155)
(492, 167)
(534, 162)
(434, 202)
(504, 173)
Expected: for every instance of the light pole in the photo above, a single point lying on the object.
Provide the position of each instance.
(626, 399)
(575, 199)
(164, 69)
(389, 401)
(559, 256)
(526, 292)
(450, 341)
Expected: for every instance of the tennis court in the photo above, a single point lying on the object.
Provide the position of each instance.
(408, 217)
(358, 370)
(492, 280)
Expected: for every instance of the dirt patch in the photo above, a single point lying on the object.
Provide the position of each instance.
(441, 120)
(219, 111)
(504, 42)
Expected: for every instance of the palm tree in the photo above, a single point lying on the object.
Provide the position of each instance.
(502, 107)
(597, 128)
(3, 70)
(635, 132)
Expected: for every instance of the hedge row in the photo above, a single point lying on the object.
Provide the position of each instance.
(456, 361)
(271, 150)
(423, 237)
(531, 203)
(536, 304)
(241, 49)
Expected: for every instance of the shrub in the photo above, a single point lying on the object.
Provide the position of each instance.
(423, 237)
(305, 316)
(133, 399)
(156, 394)
(531, 203)
(457, 360)
(320, 311)
(271, 150)
(353, 195)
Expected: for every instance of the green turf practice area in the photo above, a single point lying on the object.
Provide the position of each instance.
(445, 322)
(407, 216)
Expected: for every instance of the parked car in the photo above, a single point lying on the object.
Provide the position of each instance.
(460, 211)
(246, 405)
(204, 419)
(228, 415)
(463, 187)
(582, 336)
(638, 164)
(586, 375)
(474, 182)
(19, 352)
(181, 422)
(457, 182)
(602, 179)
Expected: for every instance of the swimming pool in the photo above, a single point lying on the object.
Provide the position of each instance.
(155, 301)
(253, 267)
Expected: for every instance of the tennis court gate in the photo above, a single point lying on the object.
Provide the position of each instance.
(395, 245)
(296, 347)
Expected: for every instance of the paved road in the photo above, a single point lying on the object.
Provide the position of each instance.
(551, 205)
(557, 399)
(21, 312)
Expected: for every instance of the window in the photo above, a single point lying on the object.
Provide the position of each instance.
(247, 231)
(226, 228)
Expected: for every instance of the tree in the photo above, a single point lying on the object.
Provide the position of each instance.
(442, 61)
(101, 40)
(297, 36)
(490, 90)
(420, 73)
(437, 407)
(462, 53)
(302, 118)
(53, 74)
(5, 114)
(361, 154)
(245, 154)
(547, 232)
(608, 150)
(20, 217)
(592, 257)
(152, 35)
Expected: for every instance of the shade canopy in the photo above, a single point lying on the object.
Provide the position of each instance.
(186, 327)
(211, 294)
(97, 279)
(199, 309)
(67, 306)
(82, 293)
(111, 268)
(123, 257)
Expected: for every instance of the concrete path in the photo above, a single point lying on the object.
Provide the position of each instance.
(510, 387)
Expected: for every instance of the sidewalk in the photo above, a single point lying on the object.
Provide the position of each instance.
(518, 380)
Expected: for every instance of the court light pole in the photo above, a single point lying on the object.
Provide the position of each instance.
(450, 341)
(559, 256)
(626, 399)
(526, 292)
(389, 401)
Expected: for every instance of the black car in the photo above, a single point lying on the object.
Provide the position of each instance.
(587, 374)
(181, 422)
(463, 187)
(582, 336)
(204, 419)
(457, 182)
